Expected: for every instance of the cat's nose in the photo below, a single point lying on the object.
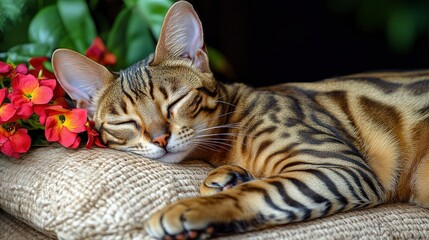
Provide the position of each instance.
(161, 140)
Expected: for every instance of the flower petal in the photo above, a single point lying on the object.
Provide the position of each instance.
(51, 83)
(3, 139)
(75, 120)
(7, 149)
(56, 109)
(20, 141)
(18, 99)
(25, 83)
(99, 143)
(3, 93)
(76, 143)
(67, 138)
(42, 95)
(5, 68)
(22, 69)
(6, 112)
(90, 141)
(53, 129)
(39, 110)
(108, 59)
(37, 62)
(59, 91)
(25, 110)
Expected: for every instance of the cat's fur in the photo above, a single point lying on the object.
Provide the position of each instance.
(285, 153)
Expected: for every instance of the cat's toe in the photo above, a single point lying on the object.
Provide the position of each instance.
(224, 178)
(179, 221)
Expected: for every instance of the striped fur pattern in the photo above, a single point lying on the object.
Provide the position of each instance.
(286, 153)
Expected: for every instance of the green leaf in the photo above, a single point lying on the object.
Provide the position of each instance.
(18, 34)
(66, 42)
(116, 42)
(130, 3)
(131, 29)
(48, 66)
(78, 22)
(11, 12)
(43, 30)
(153, 12)
(139, 40)
(22, 53)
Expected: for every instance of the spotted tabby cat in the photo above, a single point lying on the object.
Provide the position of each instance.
(286, 153)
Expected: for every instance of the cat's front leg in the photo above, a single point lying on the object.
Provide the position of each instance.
(289, 197)
(224, 178)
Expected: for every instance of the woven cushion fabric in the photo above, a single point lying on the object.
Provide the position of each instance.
(90, 194)
(14, 229)
(106, 194)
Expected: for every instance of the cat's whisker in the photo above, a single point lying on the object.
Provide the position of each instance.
(219, 139)
(203, 147)
(218, 134)
(231, 125)
(227, 103)
(218, 142)
(219, 116)
(211, 140)
(210, 144)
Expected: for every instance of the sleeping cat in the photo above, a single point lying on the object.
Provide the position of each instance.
(286, 153)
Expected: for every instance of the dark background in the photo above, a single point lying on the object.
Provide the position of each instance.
(269, 42)
(275, 41)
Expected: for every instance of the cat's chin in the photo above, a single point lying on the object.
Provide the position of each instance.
(172, 157)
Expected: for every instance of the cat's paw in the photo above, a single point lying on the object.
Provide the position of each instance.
(193, 218)
(224, 178)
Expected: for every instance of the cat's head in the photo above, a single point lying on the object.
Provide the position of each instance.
(158, 107)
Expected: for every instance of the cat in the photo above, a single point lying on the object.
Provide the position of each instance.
(285, 153)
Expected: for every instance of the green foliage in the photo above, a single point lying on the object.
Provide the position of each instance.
(138, 24)
(23, 52)
(11, 12)
(43, 30)
(69, 24)
(78, 22)
(402, 21)
(72, 24)
(66, 23)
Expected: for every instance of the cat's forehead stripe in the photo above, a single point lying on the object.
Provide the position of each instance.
(124, 89)
(149, 78)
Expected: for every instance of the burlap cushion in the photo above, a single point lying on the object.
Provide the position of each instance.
(106, 194)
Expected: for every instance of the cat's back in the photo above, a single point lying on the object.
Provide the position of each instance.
(405, 91)
(385, 115)
(413, 82)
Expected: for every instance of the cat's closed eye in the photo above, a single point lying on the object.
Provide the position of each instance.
(173, 103)
(130, 122)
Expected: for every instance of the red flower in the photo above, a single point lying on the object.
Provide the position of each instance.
(63, 125)
(20, 69)
(5, 69)
(39, 70)
(98, 52)
(10, 70)
(93, 136)
(28, 91)
(7, 111)
(57, 100)
(14, 140)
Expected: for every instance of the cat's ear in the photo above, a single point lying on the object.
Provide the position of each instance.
(182, 37)
(81, 77)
